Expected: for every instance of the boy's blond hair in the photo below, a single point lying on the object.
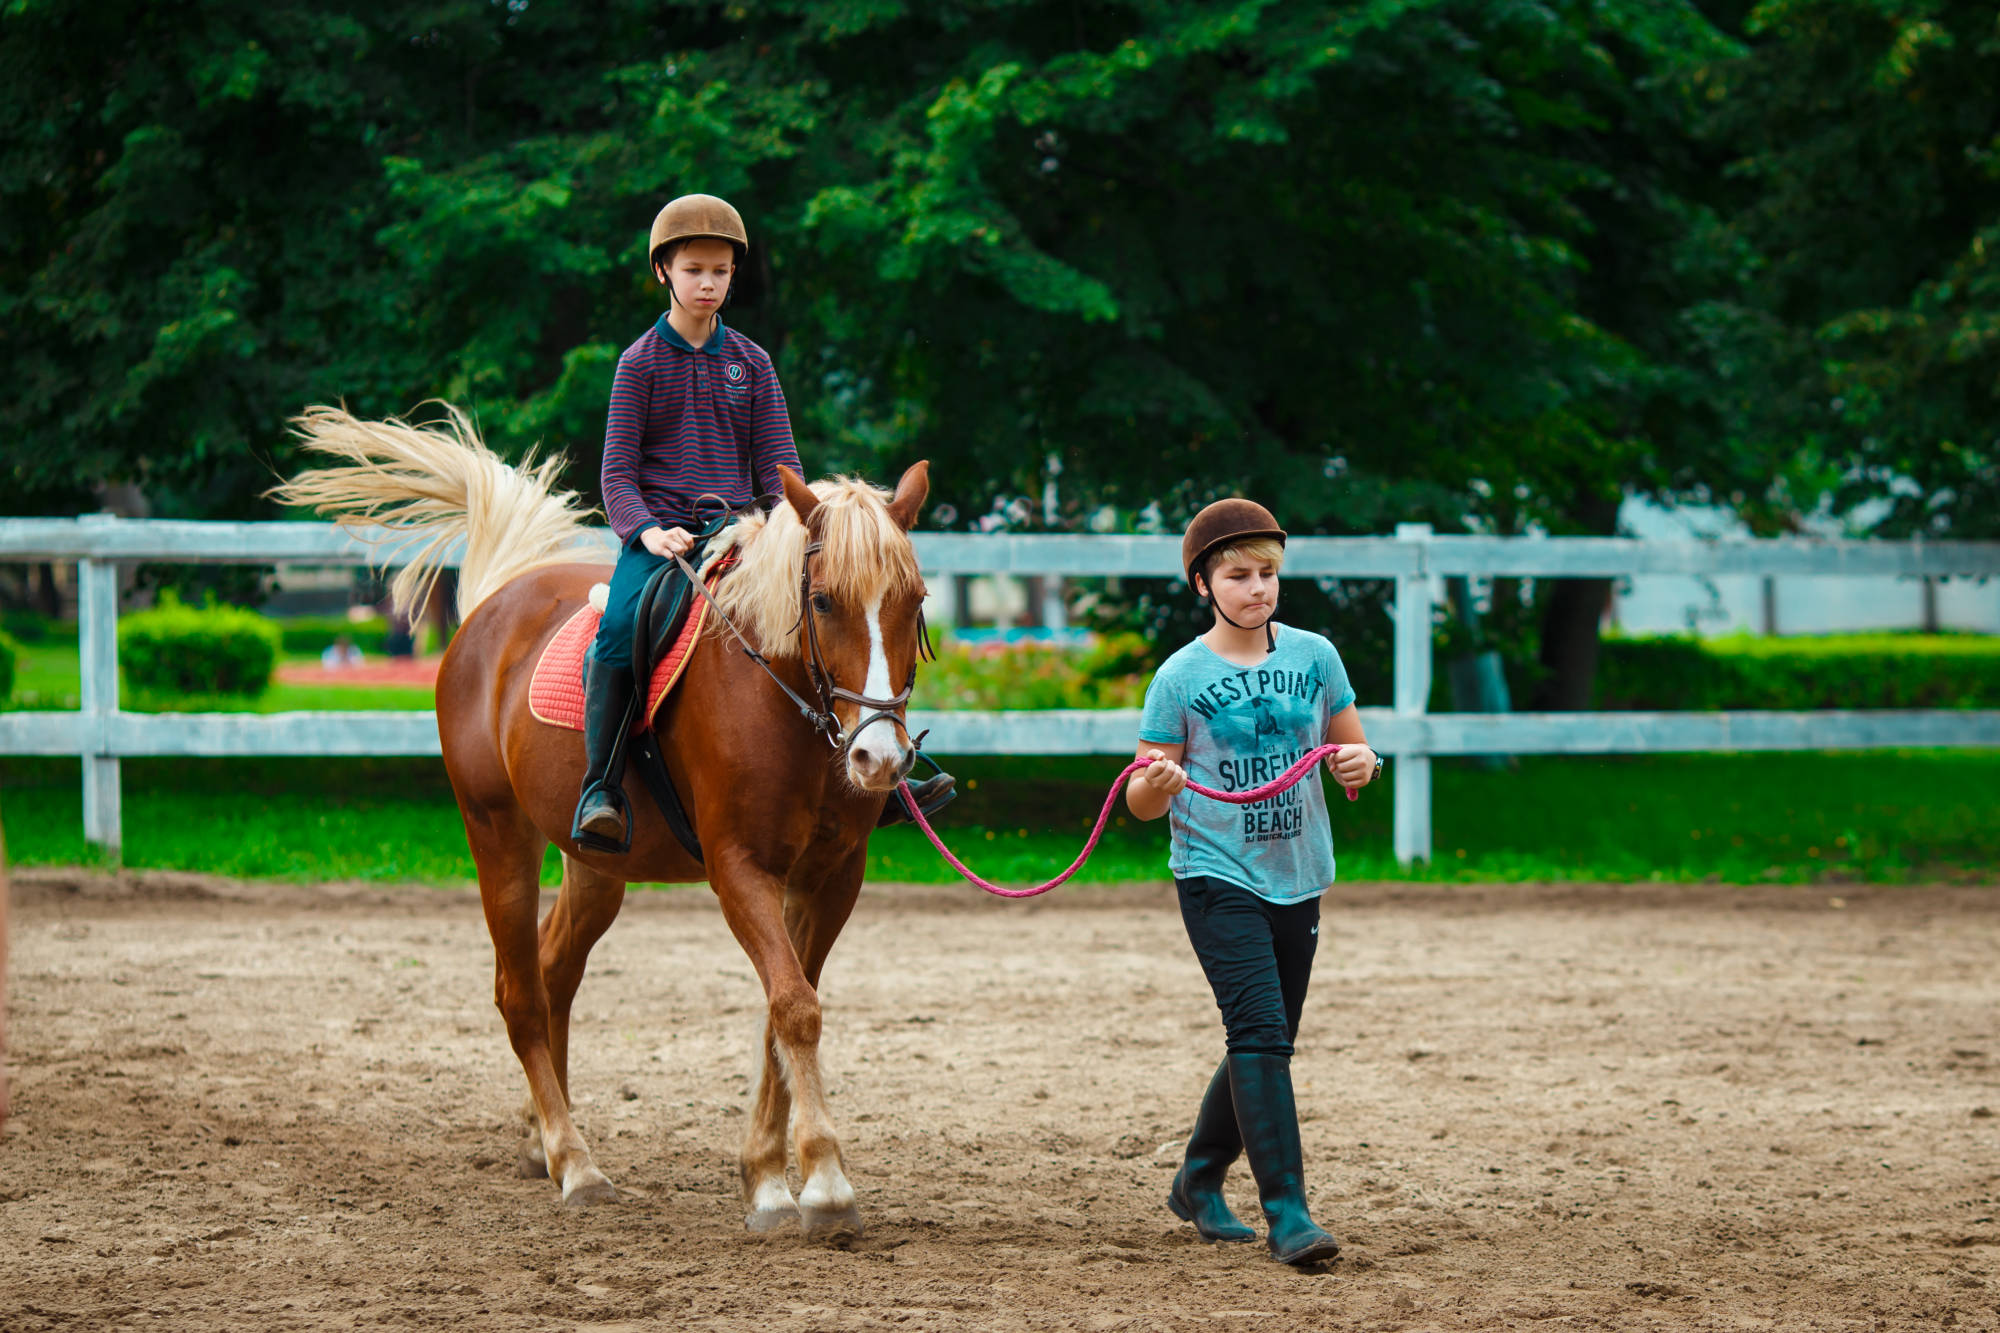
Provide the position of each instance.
(1257, 551)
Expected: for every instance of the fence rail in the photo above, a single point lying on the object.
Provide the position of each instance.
(103, 734)
(97, 537)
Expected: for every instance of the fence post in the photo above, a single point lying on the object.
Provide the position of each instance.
(1413, 692)
(97, 638)
(1055, 613)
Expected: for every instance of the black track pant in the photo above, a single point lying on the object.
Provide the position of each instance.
(1258, 957)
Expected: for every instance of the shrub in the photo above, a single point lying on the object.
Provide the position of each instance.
(1121, 654)
(1843, 671)
(176, 649)
(1031, 675)
(9, 650)
(315, 634)
(34, 627)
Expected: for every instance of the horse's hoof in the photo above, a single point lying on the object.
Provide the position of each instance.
(765, 1221)
(532, 1164)
(833, 1226)
(588, 1192)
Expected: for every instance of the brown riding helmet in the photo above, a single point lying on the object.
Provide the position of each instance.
(1225, 523)
(697, 217)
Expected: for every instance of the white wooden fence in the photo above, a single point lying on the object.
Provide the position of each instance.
(102, 733)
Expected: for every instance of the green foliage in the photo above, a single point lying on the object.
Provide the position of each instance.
(315, 634)
(34, 627)
(1116, 655)
(1111, 674)
(1488, 263)
(175, 649)
(10, 652)
(1882, 671)
(1360, 255)
(1869, 196)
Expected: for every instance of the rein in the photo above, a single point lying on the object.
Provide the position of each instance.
(822, 717)
(1286, 780)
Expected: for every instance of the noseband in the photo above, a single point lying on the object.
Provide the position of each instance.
(829, 690)
(823, 719)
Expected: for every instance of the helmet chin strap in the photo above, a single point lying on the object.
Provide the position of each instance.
(1270, 636)
(674, 299)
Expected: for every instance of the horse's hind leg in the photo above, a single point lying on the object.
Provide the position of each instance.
(586, 908)
(508, 851)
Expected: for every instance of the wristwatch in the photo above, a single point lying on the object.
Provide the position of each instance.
(1378, 764)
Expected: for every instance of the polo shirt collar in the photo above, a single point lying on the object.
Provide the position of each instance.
(672, 338)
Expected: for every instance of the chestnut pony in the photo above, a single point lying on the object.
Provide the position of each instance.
(782, 814)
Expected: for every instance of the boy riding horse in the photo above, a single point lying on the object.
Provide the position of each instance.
(696, 411)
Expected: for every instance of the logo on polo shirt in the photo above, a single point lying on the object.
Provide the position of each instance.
(735, 372)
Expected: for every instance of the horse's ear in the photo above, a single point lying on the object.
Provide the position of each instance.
(797, 494)
(911, 492)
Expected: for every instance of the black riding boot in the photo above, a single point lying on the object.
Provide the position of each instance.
(1268, 1118)
(933, 794)
(1196, 1195)
(601, 811)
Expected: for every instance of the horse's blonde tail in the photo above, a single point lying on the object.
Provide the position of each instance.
(430, 487)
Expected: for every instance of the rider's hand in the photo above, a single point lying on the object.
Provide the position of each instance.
(1163, 775)
(664, 542)
(1353, 767)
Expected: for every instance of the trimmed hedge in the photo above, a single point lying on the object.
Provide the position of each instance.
(9, 650)
(315, 634)
(34, 627)
(176, 649)
(1846, 671)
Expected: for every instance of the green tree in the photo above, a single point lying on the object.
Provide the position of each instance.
(1391, 259)
(1867, 138)
(1396, 260)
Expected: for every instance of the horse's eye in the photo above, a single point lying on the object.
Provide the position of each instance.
(822, 603)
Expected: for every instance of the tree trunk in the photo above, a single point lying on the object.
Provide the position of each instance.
(1569, 644)
(51, 598)
(1570, 620)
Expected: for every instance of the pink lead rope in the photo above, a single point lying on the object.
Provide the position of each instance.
(1285, 781)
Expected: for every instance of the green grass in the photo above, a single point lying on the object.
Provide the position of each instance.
(1885, 816)
(46, 675)
(1881, 816)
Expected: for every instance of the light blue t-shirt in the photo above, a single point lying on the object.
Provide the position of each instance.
(1243, 726)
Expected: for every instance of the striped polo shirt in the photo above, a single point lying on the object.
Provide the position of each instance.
(683, 420)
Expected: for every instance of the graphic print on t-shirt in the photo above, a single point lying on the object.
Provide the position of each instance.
(1256, 718)
(1239, 727)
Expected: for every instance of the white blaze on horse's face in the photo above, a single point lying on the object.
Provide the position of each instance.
(878, 759)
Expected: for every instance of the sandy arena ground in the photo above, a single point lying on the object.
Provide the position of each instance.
(1545, 1107)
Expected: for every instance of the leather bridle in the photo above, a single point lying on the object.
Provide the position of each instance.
(822, 717)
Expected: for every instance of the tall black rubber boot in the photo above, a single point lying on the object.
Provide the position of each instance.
(1268, 1118)
(603, 817)
(1196, 1195)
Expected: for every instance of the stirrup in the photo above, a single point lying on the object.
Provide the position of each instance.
(897, 810)
(598, 842)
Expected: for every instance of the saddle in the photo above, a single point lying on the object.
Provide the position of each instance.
(664, 639)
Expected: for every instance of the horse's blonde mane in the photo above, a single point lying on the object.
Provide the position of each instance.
(863, 552)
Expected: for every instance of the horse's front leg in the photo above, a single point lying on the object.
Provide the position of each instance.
(813, 920)
(787, 938)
